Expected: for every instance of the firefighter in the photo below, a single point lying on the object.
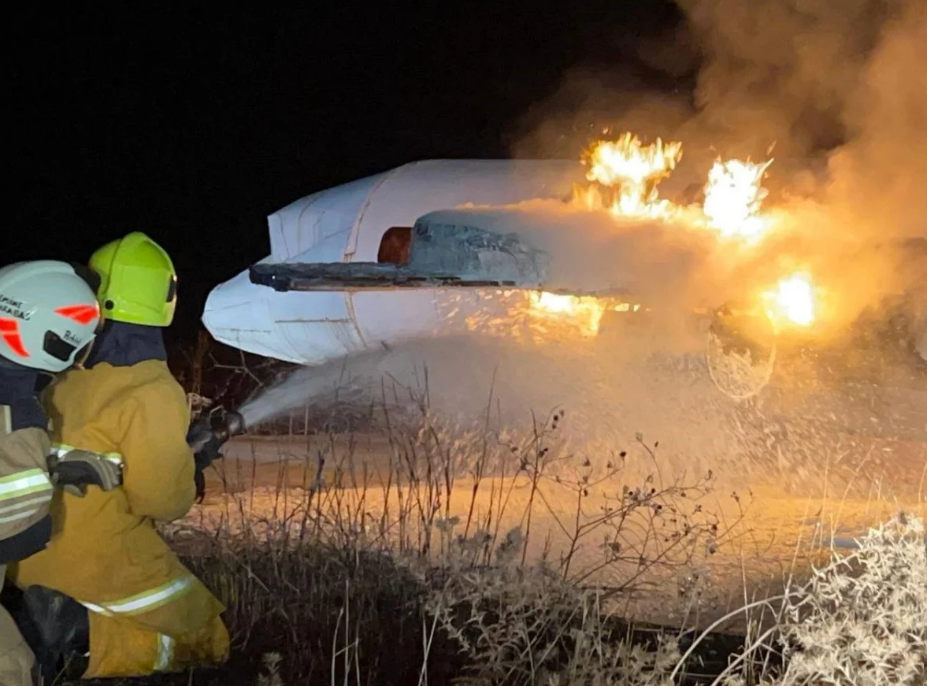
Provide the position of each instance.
(147, 612)
(48, 320)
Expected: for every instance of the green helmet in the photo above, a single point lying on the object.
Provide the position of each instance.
(138, 283)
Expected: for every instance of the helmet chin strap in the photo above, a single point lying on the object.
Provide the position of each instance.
(82, 355)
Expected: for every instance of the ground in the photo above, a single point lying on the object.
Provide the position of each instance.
(345, 556)
(770, 524)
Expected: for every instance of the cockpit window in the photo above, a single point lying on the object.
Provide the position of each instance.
(394, 246)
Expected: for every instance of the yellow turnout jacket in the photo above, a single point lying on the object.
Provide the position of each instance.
(148, 613)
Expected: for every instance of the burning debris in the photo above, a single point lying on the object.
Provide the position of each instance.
(792, 301)
(584, 313)
(733, 199)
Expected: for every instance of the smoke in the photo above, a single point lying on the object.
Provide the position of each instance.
(804, 79)
(662, 262)
(781, 71)
(876, 175)
(834, 91)
(817, 76)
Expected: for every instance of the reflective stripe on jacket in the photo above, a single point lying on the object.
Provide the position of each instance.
(148, 612)
(25, 488)
(62, 449)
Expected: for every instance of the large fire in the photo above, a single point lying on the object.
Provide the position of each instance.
(624, 176)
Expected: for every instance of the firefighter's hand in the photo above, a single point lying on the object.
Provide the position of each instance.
(77, 469)
(205, 457)
(206, 447)
(208, 453)
(199, 434)
(199, 481)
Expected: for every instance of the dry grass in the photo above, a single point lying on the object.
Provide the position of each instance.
(411, 574)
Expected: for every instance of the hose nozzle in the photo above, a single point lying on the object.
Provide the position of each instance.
(215, 430)
(232, 424)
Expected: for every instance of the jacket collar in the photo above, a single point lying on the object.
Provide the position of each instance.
(124, 345)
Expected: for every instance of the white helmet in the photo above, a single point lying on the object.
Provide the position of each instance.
(48, 314)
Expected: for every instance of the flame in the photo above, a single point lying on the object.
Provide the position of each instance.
(733, 197)
(793, 301)
(630, 172)
(586, 313)
(625, 160)
(625, 175)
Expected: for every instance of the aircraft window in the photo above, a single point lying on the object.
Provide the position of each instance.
(394, 246)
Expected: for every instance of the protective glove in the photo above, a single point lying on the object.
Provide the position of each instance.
(205, 445)
(199, 481)
(208, 454)
(77, 469)
(199, 434)
(203, 459)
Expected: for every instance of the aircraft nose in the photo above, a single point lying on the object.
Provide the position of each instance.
(301, 327)
(237, 314)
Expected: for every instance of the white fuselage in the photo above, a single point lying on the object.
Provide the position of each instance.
(347, 224)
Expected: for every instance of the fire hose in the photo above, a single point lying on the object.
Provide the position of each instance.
(206, 437)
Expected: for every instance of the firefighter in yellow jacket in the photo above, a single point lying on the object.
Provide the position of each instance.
(48, 320)
(147, 612)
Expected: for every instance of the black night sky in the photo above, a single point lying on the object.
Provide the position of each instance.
(192, 123)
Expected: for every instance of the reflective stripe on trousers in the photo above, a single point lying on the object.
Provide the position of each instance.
(165, 653)
(144, 602)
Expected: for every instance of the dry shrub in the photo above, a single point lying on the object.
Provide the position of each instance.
(346, 615)
(356, 579)
(523, 625)
(859, 620)
(862, 619)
